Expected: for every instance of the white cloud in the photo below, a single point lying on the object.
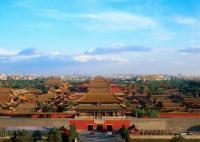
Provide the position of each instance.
(117, 49)
(187, 20)
(113, 20)
(20, 55)
(31, 54)
(119, 20)
(82, 58)
(35, 61)
(4, 52)
(89, 58)
(193, 49)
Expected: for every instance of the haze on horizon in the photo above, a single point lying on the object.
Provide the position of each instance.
(100, 36)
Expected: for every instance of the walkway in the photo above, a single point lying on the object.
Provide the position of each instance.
(99, 137)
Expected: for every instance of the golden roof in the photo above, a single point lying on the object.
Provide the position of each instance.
(98, 98)
(4, 95)
(98, 92)
(5, 90)
(98, 82)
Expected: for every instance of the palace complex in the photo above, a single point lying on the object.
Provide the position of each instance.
(99, 103)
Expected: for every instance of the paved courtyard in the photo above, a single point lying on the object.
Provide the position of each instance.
(99, 137)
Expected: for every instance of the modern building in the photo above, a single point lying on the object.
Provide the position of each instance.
(152, 77)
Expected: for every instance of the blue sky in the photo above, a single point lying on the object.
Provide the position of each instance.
(100, 36)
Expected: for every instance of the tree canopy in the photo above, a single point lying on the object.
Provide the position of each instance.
(55, 135)
(73, 135)
(125, 134)
(23, 136)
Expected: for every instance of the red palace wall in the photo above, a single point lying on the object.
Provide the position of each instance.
(117, 124)
(179, 115)
(82, 124)
(52, 115)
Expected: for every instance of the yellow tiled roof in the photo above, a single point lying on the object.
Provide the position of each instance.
(102, 97)
(98, 92)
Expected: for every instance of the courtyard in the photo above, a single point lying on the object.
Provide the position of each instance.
(99, 137)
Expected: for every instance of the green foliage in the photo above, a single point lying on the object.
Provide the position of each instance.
(46, 108)
(61, 108)
(153, 113)
(177, 138)
(5, 140)
(125, 134)
(155, 87)
(72, 134)
(141, 89)
(56, 86)
(21, 84)
(44, 90)
(23, 136)
(51, 108)
(72, 103)
(127, 103)
(54, 135)
(186, 87)
(140, 112)
(159, 105)
(177, 98)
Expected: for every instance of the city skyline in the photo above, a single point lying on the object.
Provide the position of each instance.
(100, 36)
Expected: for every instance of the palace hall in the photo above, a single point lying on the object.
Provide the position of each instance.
(98, 102)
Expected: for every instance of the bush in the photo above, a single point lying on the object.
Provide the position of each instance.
(73, 135)
(177, 138)
(125, 134)
(22, 136)
(54, 135)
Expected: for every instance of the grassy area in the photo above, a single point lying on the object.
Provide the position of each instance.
(1, 140)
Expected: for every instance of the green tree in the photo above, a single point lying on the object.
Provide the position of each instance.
(153, 113)
(73, 135)
(159, 105)
(44, 90)
(61, 108)
(141, 89)
(177, 138)
(54, 135)
(56, 86)
(139, 112)
(46, 108)
(22, 136)
(127, 103)
(125, 134)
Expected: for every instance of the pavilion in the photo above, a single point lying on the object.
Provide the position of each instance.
(99, 102)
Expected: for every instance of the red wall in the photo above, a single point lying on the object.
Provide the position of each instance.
(51, 115)
(83, 124)
(179, 115)
(117, 124)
